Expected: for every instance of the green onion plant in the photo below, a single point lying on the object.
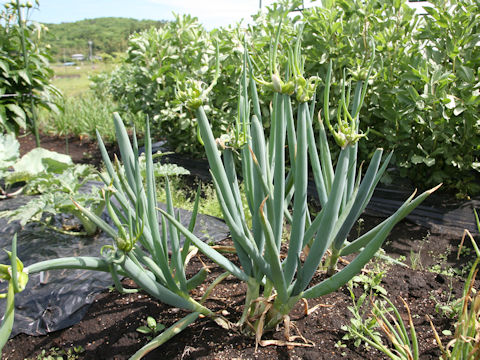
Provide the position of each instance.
(152, 254)
(17, 277)
(277, 195)
(140, 250)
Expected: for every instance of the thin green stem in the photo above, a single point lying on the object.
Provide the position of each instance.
(27, 70)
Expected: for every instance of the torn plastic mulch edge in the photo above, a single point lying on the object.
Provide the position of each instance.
(57, 299)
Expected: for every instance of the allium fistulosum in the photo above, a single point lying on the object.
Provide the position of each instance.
(276, 284)
(276, 194)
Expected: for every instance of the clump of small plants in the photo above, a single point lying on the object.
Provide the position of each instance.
(465, 343)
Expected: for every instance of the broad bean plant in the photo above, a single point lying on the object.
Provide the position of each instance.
(422, 97)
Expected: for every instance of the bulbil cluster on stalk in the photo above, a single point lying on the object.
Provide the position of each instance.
(295, 81)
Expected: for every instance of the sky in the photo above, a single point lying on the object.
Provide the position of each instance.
(211, 13)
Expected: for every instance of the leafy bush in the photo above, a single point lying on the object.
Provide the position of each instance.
(423, 96)
(57, 191)
(443, 98)
(24, 70)
(158, 61)
(30, 165)
(51, 175)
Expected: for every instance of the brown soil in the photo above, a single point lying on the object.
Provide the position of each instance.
(108, 331)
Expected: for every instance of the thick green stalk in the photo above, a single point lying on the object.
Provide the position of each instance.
(279, 169)
(215, 163)
(273, 124)
(252, 294)
(13, 267)
(315, 163)
(160, 251)
(291, 136)
(89, 226)
(207, 250)
(243, 136)
(229, 166)
(253, 91)
(332, 262)
(352, 171)
(248, 173)
(155, 289)
(272, 256)
(279, 310)
(77, 262)
(243, 246)
(8, 317)
(300, 200)
(258, 150)
(313, 229)
(360, 197)
(246, 236)
(191, 225)
(176, 265)
(327, 224)
(325, 157)
(152, 266)
(126, 151)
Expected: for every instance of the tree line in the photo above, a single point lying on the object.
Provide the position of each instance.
(108, 35)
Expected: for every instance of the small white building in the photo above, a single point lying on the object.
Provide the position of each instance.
(78, 57)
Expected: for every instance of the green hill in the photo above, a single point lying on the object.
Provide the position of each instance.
(109, 35)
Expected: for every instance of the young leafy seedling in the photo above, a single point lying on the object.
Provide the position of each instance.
(152, 328)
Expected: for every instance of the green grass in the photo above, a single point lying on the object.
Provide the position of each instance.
(183, 197)
(83, 114)
(83, 111)
(75, 80)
